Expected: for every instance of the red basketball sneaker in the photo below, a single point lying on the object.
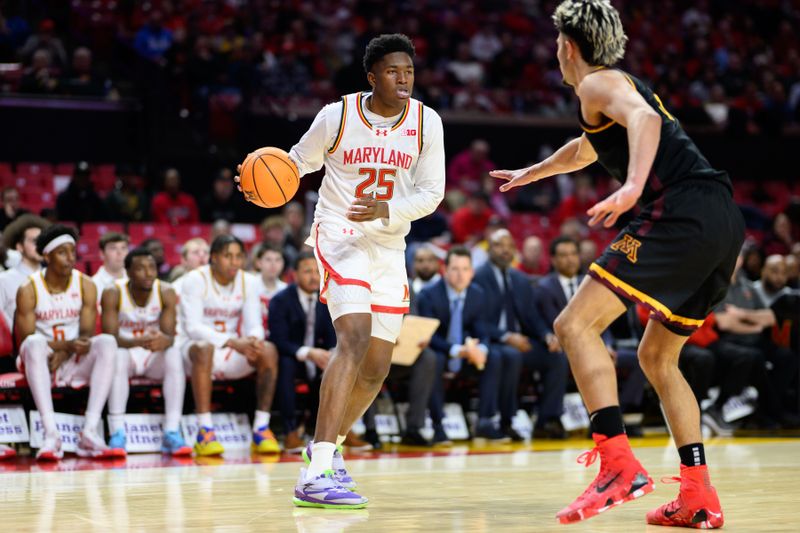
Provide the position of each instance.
(621, 479)
(697, 504)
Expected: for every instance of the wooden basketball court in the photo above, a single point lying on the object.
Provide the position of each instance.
(503, 488)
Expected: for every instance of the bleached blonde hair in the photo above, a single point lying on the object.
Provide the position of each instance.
(595, 27)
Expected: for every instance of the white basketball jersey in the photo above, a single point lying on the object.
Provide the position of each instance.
(58, 316)
(135, 321)
(222, 305)
(367, 158)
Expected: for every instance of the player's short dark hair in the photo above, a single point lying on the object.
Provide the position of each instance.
(459, 251)
(221, 242)
(384, 45)
(561, 239)
(51, 232)
(112, 237)
(302, 256)
(14, 233)
(139, 251)
(263, 248)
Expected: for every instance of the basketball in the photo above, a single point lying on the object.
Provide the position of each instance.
(268, 177)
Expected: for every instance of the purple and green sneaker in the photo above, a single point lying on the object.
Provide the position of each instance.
(339, 471)
(325, 492)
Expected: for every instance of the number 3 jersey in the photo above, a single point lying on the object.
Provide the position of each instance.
(58, 316)
(135, 321)
(399, 160)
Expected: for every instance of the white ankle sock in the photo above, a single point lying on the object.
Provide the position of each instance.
(115, 423)
(260, 420)
(204, 419)
(340, 440)
(321, 459)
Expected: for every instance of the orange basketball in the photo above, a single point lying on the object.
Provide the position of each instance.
(269, 178)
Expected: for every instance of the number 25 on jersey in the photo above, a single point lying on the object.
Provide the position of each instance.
(383, 177)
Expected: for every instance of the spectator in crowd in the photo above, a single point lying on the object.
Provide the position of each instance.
(127, 202)
(792, 271)
(532, 258)
(587, 251)
(11, 209)
(194, 254)
(220, 227)
(81, 79)
(273, 232)
(781, 238)
(518, 335)
(582, 198)
(432, 228)
(155, 247)
(221, 203)
(41, 77)
(113, 249)
(21, 236)
(80, 202)
(426, 269)
(297, 230)
(467, 168)
(462, 337)
(171, 206)
(46, 40)
(753, 257)
(742, 317)
(302, 331)
(269, 265)
(153, 40)
(772, 284)
(14, 30)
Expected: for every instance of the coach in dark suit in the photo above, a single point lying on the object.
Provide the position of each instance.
(519, 334)
(459, 306)
(301, 329)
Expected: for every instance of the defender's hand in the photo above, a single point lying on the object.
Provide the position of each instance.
(515, 178)
(612, 207)
(367, 208)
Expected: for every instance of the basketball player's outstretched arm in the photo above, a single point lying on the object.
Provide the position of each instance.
(609, 93)
(575, 155)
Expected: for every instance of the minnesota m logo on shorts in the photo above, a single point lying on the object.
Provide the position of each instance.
(628, 246)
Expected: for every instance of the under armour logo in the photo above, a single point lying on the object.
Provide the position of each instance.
(381, 133)
(628, 246)
(345, 231)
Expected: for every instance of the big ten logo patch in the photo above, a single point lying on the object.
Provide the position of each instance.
(628, 246)
(13, 425)
(409, 133)
(232, 429)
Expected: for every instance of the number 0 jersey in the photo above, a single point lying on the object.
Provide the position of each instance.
(58, 316)
(135, 321)
(399, 159)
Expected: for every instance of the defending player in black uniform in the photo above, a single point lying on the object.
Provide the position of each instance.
(676, 258)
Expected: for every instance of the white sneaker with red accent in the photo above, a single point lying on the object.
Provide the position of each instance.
(7, 452)
(91, 445)
(51, 449)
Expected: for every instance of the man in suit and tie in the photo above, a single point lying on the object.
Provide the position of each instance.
(301, 329)
(520, 335)
(462, 341)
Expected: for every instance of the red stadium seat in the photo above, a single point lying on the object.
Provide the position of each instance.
(140, 231)
(95, 230)
(12, 380)
(184, 232)
(64, 169)
(34, 168)
(5, 171)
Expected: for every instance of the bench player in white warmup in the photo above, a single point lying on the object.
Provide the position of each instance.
(140, 312)
(383, 154)
(56, 313)
(221, 336)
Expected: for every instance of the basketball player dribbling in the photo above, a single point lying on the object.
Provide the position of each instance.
(675, 257)
(383, 154)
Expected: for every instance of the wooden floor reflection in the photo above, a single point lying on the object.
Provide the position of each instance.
(516, 491)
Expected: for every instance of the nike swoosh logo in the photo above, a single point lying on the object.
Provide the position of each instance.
(602, 488)
(716, 515)
(669, 514)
